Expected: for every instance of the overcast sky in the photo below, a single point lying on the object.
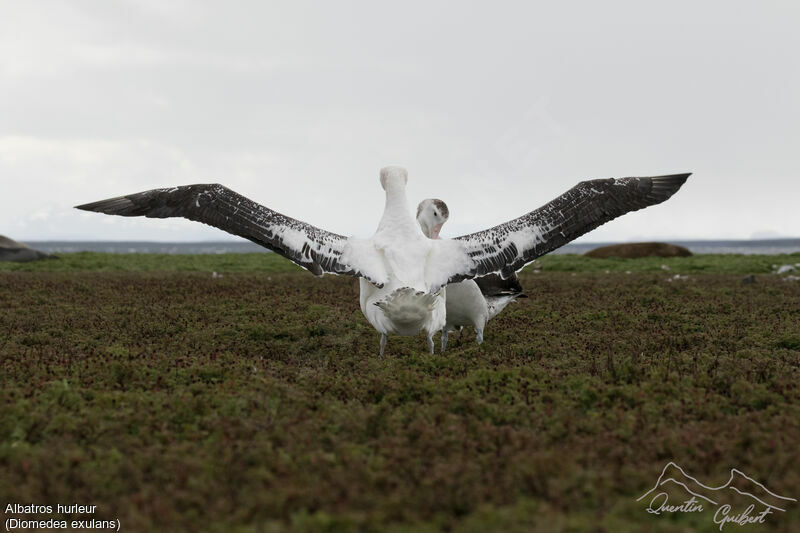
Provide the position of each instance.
(495, 108)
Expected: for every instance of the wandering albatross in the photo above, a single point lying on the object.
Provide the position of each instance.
(403, 273)
(472, 302)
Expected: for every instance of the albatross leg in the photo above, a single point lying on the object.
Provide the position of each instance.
(479, 336)
(444, 339)
(430, 342)
(383, 344)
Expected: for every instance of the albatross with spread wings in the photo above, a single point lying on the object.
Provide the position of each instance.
(402, 272)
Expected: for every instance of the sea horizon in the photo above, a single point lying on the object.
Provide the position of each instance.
(698, 246)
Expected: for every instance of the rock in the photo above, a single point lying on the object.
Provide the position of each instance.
(11, 250)
(783, 269)
(747, 280)
(639, 249)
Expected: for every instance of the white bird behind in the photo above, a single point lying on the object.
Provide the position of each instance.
(467, 303)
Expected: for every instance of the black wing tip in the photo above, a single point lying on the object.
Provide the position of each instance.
(93, 206)
(661, 188)
(123, 204)
(673, 178)
(109, 206)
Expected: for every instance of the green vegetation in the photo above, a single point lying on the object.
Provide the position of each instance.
(255, 401)
(100, 262)
(711, 263)
(260, 262)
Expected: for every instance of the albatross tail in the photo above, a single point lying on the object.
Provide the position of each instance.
(408, 309)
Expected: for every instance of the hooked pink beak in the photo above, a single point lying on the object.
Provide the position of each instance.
(435, 231)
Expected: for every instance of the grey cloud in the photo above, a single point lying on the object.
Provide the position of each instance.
(495, 109)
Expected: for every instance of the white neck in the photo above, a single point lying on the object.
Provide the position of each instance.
(396, 213)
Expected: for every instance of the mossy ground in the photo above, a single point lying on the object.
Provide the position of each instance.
(255, 401)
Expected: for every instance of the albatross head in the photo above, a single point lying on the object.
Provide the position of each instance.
(431, 216)
(393, 177)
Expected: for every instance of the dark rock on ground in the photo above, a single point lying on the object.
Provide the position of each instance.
(639, 249)
(11, 250)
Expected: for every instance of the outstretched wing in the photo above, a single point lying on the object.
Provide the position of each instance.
(310, 247)
(506, 248)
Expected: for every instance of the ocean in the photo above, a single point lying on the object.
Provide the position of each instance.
(746, 247)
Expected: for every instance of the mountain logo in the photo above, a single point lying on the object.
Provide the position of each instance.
(753, 500)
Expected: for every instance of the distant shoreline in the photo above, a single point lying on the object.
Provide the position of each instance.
(745, 247)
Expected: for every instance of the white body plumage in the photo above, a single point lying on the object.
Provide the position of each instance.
(404, 305)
